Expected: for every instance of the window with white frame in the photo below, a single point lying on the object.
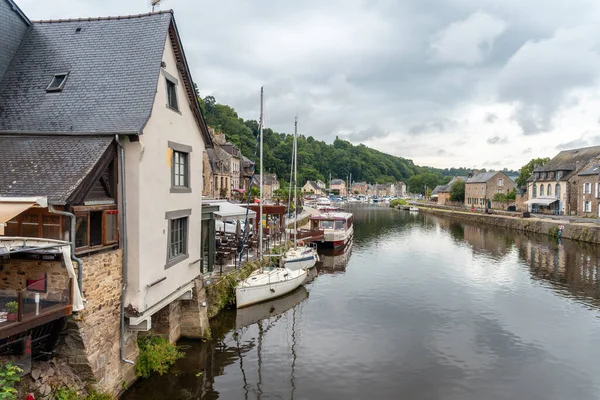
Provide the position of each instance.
(541, 190)
(549, 193)
(500, 182)
(587, 206)
(587, 188)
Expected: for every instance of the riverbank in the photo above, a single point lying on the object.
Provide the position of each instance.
(585, 232)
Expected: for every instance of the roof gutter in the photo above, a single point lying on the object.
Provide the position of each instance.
(72, 242)
(124, 236)
(63, 133)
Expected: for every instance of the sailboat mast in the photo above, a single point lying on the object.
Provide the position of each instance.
(295, 182)
(260, 132)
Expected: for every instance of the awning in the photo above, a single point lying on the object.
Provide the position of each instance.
(230, 212)
(240, 190)
(10, 207)
(542, 201)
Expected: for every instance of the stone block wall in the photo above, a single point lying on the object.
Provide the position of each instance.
(91, 340)
(14, 274)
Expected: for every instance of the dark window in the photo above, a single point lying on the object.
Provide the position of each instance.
(95, 228)
(172, 94)
(57, 83)
(180, 169)
(178, 237)
(51, 228)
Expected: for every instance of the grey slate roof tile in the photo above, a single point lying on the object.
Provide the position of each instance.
(113, 66)
(52, 166)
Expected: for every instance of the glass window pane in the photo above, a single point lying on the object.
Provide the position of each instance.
(29, 225)
(51, 227)
(81, 231)
(110, 227)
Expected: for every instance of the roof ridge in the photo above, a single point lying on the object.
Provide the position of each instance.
(109, 18)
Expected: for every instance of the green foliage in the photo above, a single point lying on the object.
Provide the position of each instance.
(527, 169)
(223, 192)
(429, 180)
(457, 192)
(156, 355)
(65, 393)
(12, 307)
(9, 378)
(398, 202)
(506, 197)
(94, 395)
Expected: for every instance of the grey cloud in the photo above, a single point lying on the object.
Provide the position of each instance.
(490, 118)
(497, 140)
(527, 150)
(349, 65)
(573, 144)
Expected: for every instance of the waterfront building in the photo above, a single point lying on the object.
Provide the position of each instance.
(312, 187)
(556, 188)
(481, 188)
(270, 185)
(443, 192)
(93, 111)
(360, 188)
(589, 189)
(338, 185)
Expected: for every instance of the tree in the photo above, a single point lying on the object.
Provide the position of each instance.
(457, 192)
(527, 169)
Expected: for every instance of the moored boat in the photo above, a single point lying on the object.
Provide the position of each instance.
(337, 228)
(268, 284)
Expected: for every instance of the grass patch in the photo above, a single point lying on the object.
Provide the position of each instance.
(398, 202)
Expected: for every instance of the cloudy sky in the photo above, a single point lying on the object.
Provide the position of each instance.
(474, 83)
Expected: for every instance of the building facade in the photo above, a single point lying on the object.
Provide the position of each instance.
(311, 187)
(555, 187)
(481, 188)
(360, 188)
(338, 185)
(589, 189)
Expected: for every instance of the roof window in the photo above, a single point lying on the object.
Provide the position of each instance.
(57, 83)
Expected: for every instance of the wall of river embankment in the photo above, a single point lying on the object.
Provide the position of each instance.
(585, 232)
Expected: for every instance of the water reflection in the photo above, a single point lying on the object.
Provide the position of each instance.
(420, 307)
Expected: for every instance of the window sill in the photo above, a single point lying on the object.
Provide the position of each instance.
(180, 189)
(173, 109)
(176, 260)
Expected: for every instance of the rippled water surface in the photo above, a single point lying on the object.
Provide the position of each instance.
(420, 307)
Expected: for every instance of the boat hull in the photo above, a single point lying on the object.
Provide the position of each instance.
(248, 293)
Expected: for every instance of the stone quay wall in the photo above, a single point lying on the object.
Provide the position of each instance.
(588, 232)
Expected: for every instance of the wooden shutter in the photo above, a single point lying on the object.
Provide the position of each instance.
(110, 227)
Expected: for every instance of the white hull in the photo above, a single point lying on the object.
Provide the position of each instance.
(251, 315)
(301, 258)
(262, 286)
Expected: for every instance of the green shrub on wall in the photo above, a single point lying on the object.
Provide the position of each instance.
(9, 378)
(156, 355)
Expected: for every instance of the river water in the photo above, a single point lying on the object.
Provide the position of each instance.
(421, 307)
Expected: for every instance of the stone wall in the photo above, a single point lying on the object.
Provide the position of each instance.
(14, 274)
(91, 339)
(584, 233)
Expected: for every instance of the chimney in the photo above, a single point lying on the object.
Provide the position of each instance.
(577, 165)
(470, 175)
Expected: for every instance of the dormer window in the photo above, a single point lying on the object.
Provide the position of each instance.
(57, 83)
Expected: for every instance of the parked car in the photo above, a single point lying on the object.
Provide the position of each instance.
(231, 226)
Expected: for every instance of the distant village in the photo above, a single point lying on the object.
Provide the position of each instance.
(567, 185)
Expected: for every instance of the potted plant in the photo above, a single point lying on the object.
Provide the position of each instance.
(12, 308)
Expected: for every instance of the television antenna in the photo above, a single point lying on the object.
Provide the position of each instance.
(156, 3)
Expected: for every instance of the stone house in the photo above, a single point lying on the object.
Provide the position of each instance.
(220, 173)
(312, 188)
(79, 152)
(481, 188)
(555, 187)
(270, 185)
(360, 188)
(400, 189)
(443, 192)
(589, 189)
(338, 185)
(246, 171)
(321, 184)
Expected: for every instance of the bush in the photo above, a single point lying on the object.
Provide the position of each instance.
(156, 355)
(398, 202)
(94, 395)
(9, 378)
(65, 393)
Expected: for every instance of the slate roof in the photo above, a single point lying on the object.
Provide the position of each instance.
(113, 67)
(52, 166)
(438, 189)
(337, 181)
(447, 187)
(219, 160)
(482, 177)
(313, 185)
(268, 179)
(593, 170)
(567, 160)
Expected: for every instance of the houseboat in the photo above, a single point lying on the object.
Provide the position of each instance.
(336, 229)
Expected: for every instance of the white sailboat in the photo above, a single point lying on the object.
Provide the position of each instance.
(300, 256)
(266, 283)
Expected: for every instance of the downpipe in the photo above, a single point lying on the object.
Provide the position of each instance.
(124, 236)
(72, 242)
